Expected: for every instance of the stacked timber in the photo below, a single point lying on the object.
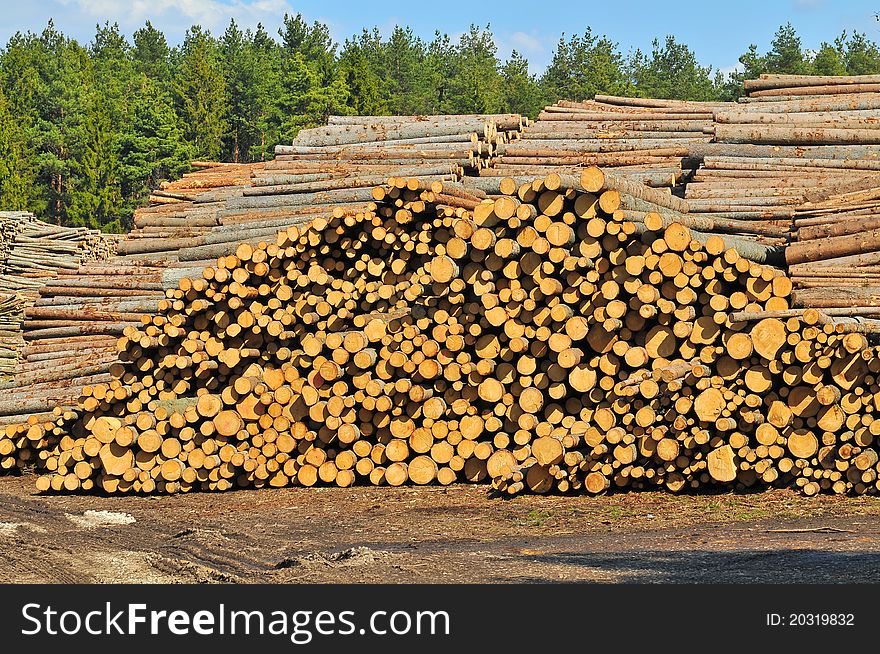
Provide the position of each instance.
(835, 258)
(207, 176)
(338, 166)
(802, 154)
(32, 248)
(466, 140)
(542, 340)
(32, 253)
(12, 307)
(71, 324)
(184, 212)
(71, 330)
(645, 139)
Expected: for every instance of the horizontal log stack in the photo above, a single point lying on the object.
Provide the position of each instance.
(72, 328)
(747, 206)
(12, 307)
(645, 139)
(73, 320)
(31, 250)
(206, 176)
(542, 341)
(466, 140)
(32, 254)
(801, 155)
(324, 168)
(337, 167)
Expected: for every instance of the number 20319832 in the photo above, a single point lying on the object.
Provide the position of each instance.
(810, 619)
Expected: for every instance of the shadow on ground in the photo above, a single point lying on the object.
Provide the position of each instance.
(748, 566)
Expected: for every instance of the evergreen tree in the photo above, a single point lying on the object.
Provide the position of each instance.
(786, 54)
(267, 116)
(110, 56)
(829, 59)
(861, 56)
(436, 75)
(15, 177)
(672, 71)
(520, 90)
(151, 55)
(401, 61)
(95, 195)
(752, 65)
(151, 147)
(474, 83)
(200, 93)
(361, 80)
(583, 66)
(313, 42)
(244, 92)
(45, 78)
(311, 84)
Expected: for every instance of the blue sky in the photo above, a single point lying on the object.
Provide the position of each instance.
(717, 31)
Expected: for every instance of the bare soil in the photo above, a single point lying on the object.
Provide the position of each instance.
(434, 535)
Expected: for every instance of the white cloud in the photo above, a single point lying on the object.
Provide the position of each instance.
(727, 70)
(525, 43)
(212, 14)
(534, 48)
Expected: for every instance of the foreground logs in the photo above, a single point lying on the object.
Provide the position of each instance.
(206, 215)
(540, 341)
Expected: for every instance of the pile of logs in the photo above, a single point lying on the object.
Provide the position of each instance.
(201, 216)
(546, 340)
(646, 139)
(207, 176)
(431, 312)
(31, 248)
(800, 156)
(12, 307)
(338, 165)
(794, 163)
(32, 253)
(74, 323)
(466, 141)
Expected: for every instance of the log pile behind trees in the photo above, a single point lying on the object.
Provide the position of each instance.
(541, 340)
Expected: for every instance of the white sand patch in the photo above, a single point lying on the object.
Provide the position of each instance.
(94, 519)
(11, 528)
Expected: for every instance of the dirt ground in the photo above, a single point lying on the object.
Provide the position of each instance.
(436, 534)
